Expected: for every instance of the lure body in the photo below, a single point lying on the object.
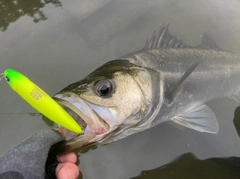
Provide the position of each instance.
(40, 100)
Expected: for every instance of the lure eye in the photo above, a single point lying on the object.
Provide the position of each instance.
(103, 87)
(7, 78)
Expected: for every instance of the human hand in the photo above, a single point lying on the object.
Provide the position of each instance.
(66, 169)
(28, 159)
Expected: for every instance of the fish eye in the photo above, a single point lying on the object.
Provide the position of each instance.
(7, 78)
(103, 87)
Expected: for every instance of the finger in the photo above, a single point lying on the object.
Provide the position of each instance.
(69, 157)
(67, 171)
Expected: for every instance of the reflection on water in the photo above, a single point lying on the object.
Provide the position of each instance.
(236, 120)
(12, 10)
(188, 166)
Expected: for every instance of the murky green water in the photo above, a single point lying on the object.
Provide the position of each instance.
(56, 43)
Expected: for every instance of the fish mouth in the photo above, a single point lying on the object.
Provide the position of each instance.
(92, 118)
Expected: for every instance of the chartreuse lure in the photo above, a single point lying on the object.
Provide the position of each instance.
(40, 100)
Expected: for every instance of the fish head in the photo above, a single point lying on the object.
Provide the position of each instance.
(109, 101)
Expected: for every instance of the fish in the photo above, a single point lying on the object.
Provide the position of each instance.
(167, 80)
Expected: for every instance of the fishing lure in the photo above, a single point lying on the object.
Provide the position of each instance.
(40, 100)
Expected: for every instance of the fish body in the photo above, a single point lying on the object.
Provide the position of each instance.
(165, 81)
(217, 75)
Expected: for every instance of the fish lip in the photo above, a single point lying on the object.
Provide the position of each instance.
(96, 125)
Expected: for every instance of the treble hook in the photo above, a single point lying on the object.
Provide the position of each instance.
(1, 76)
